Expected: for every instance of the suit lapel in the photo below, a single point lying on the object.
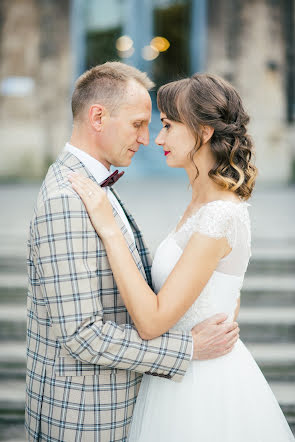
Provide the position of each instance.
(140, 247)
(137, 249)
(131, 244)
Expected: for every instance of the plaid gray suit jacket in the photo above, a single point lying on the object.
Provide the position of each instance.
(85, 359)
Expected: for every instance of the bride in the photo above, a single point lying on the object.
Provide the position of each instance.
(198, 270)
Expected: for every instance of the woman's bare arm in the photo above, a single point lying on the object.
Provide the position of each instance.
(152, 314)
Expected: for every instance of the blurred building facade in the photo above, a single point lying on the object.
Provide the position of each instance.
(46, 44)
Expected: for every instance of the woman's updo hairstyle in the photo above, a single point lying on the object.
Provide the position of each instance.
(208, 100)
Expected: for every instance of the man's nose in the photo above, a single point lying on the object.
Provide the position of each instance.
(144, 137)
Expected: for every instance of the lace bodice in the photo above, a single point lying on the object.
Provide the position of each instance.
(213, 390)
(216, 219)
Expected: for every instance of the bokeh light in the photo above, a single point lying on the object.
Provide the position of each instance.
(149, 53)
(124, 43)
(160, 43)
(126, 54)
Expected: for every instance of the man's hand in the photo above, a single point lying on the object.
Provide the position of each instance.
(213, 337)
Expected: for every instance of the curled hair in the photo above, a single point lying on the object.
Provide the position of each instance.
(208, 100)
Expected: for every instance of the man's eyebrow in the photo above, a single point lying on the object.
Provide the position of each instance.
(142, 119)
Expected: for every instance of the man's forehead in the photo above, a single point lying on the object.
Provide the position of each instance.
(136, 93)
(146, 116)
(138, 112)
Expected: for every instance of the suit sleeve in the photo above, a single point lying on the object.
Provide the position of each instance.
(71, 263)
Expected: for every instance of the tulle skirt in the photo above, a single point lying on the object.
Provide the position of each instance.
(220, 400)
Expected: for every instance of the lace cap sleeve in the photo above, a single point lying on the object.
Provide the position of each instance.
(216, 220)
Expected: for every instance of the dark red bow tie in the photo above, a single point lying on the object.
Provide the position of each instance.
(110, 180)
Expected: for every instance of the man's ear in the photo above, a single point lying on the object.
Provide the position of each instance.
(97, 116)
(207, 132)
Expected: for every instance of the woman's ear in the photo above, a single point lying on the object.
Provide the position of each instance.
(207, 132)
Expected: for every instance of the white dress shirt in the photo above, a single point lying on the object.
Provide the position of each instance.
(100, 173)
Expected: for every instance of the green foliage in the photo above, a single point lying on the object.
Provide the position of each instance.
(172, 23)
(101, 46)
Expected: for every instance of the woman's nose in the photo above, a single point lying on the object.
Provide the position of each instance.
(159, 139)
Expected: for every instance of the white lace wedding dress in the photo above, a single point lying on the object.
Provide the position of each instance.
(220, 400)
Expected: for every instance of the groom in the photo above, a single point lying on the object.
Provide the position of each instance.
(85, 359)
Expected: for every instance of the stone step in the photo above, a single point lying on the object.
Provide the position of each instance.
(12, 432)
(13, 264)
(268, 290)
(12, 322)
(285, 394)
(13, 287)
(272, 260)
(265, 260)
(257, 290)
(267, 315)
(257, 265)
(277, 362)
(12, 401)
(12, 295)
(258, 324)
(13, 280)
(267, 324)
(268, 283)
(12, 360)
(12, 404)
(12, 398)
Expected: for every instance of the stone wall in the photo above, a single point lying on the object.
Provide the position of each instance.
(34, 43)
(247, 45)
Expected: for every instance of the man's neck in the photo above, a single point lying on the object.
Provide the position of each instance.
(88, 147)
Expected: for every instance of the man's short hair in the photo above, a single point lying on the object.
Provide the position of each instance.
(105, 84)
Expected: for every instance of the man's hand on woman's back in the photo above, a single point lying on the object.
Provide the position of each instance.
(213, 337)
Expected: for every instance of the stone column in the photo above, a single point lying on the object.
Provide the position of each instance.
(78, 43)
(247, 47)
(54, 79)
(138, 24)
(20, 133)
(35, 78)
(260, 77)
(198, 36)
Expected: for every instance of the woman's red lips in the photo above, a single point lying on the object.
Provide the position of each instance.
(166, 152)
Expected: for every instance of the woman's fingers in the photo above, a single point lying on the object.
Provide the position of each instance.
(78, 187)
(85, 183)
(80, 191)
(91, 194)
(83, 191)
(85, 187)
(97, 204)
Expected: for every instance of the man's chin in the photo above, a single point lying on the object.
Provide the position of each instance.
(124, 163)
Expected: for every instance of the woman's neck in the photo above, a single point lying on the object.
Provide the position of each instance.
(204, 189)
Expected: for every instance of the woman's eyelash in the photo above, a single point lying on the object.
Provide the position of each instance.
(166, 126)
